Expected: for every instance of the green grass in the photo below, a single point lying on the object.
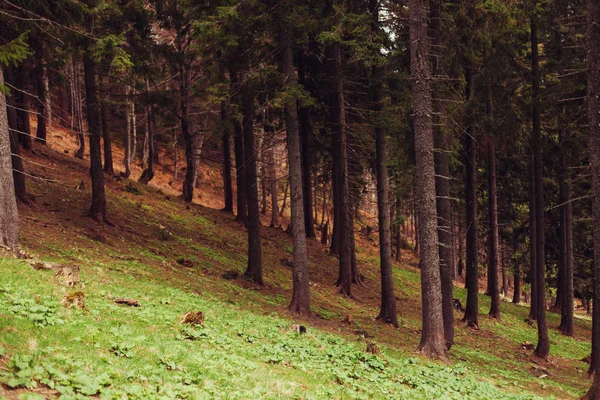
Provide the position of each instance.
(115, 351)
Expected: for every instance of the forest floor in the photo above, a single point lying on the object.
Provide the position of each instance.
(174, 260)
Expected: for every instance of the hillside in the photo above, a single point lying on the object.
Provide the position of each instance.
(173, 260)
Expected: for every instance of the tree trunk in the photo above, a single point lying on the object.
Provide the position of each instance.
(471, 317)
(566, 233)
(338, 115)
(226, 143)
(543, 345)
(273, 183)
(444, 208)
(432, 339)
(22, 101)
(493, 230)
(300, 303)
(254, 269)
(108, 158)
(9, 215)
(43, 103)
(532, 244)
(240, 174)
(98, 208)
(188, 183)
(129, 110)
(285, 196)
(15, 148)
(77, 109)
(593, 97)
(387, 310)
(148, 158)
(493, 248)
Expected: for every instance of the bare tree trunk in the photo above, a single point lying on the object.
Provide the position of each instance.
(43, 103)
(285, 196)
(493, 230)
(532, 244)
(433, 342)
(128, 142)
(9, 214)
(273, 182)
(471, 317)
(493, 247)
(188, 183)
(566, 233)
(593, 97)
(15, 148)
(77, 107)
(338, 111)
(104, 106)
(254, 269)
(148, 159)
(300, 303)
(226, 145)
(22, 101)
(238, 147)
(543, 345)
(98, 207)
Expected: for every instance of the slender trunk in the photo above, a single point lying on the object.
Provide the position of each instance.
(108, 158)
(444, 208)
(432, 339)
(254, 269)
(493, 248)
(148, 159)
(22, 101)
(188, 183)
(78, 111)
(593, 97)
(285, 196)
(566, 305)
(338, 113)
(133, 140)
(300, 303)
(98, 208)
(240, 174)
(532, 243)
(127, 141)
(273, 182)
(471, 317)
(15, 148)
(516, 272)
(543, 345)
(493, 230)
(387, 311)
(263, 173)
(43, 103)
(9, 215)
(226, 143)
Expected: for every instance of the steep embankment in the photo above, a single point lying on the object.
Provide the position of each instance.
(173, 260)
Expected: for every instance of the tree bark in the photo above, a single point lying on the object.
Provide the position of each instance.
(129, 110)
(387, 310)
(9, 215)
(493, 230)
(273, 181)
(566, 239)
(98, 207)
(338, 114)
(108, 158)
(300, 303)
(43, 103)
(148, 159)
(432, 338)
(593, 97)
(543, 345)
(444, 208)
(226, 143)
(471, 317)
(77, 109)
(22, 101)
(532, 244)
(188, 183)
(15, 148)
(254, 269)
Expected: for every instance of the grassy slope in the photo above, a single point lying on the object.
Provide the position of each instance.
(246, 348)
